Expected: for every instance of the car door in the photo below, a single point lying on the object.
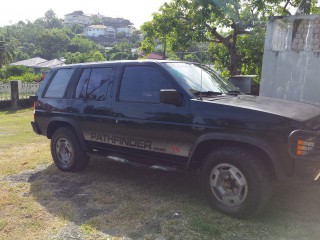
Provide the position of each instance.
(93, 100)
(143, 124)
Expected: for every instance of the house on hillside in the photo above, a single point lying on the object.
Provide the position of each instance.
(126, 31)
(111, 32)
(95, 31)
(100, 30)
(77, 17)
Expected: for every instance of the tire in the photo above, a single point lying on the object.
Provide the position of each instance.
(236, 182)
(66, 151)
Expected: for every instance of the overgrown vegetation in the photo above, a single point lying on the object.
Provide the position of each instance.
(22, 73)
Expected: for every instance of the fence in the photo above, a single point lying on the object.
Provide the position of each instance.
(16, 94)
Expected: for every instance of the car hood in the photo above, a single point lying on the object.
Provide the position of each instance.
(288, 109)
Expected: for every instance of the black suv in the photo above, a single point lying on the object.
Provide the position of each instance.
(179, 115)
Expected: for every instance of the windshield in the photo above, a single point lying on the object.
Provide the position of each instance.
(189, 76)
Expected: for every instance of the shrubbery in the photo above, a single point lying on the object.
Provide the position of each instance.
(24, 74)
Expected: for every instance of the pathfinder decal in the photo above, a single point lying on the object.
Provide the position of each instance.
(179, 149)
(122, 141)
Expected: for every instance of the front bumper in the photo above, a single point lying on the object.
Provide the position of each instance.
(36, 128)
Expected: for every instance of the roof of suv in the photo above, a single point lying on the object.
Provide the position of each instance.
(116, 62)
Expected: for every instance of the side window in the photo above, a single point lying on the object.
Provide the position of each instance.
(93, 84)
(83, 84)
(142, 84)
(59, 83)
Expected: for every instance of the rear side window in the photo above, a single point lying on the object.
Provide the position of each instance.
(59, 83)
(93, 84)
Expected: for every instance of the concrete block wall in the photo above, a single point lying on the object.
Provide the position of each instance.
(291, 61)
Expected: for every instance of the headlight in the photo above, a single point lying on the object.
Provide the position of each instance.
(305, 144)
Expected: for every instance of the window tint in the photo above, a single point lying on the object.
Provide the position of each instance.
(93, 84)
(142, 84)
(83, 83)
(59, 83)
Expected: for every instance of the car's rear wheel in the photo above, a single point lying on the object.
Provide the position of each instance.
(67, 152)
(236, 181)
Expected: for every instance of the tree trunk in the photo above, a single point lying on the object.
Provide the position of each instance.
(235, 59)
(164, 49)
(304, 7)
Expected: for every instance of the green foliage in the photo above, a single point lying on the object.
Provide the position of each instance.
(97, 21)
(51, 21)
(53, 43)
(121, 51)
(77, 57)
(26, 77)
(47, 38)
(6, 54)
(77, 28)
(191, 57)
(22, 73)
(81, 44)
(2, 74)
(119, 56)
(168, 28)
(235, 30)
(11, 71)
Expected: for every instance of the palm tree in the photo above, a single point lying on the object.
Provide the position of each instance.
(6, 55)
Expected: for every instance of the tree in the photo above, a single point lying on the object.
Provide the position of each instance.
(167, 28)
(6, 55)
(53, 43)
(121, 51)
(81, 44)
(93, 56)
(222, 23)
(51, 20)
(77, 28)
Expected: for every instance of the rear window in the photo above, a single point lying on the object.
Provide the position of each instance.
(59, 83)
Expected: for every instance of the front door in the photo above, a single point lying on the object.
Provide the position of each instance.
(143, 124)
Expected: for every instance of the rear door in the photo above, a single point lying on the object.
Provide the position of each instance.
(92, 102)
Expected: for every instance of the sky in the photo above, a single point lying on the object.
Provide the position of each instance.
(137, 11)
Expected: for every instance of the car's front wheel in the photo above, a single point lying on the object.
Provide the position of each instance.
(236, 181)
(67, 152)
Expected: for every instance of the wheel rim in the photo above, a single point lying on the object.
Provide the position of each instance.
(64, 151)
(228, 184)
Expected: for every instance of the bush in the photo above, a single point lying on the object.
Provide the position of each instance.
(26, 77)
(16, 71)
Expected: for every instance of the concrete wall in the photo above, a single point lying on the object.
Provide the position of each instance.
(291, 61)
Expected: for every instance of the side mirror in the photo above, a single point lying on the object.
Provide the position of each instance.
(171, 96)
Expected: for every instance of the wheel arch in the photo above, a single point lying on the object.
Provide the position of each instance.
(257, 146)
(56, 123)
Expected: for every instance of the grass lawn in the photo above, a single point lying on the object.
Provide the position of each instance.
(110, 200)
